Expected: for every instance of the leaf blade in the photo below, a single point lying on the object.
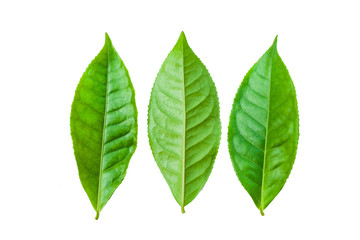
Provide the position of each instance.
(176, 116)
(104, 119)
(257, 147)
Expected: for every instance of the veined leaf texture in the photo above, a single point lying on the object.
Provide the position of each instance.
(183, 122)
(264, 128)
(103, 125)
(184, 125)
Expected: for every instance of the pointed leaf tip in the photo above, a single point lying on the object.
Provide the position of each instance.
(182, 37)
(107, 39)
(275, 42)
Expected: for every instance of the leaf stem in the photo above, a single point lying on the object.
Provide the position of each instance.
(97, 215)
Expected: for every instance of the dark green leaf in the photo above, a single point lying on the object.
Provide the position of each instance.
(264, 128)
(183, 122)
(103, 125)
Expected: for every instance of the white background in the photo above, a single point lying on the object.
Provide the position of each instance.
(44, 49)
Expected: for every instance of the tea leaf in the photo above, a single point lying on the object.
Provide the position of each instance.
(183, 122)
(103, 125)
(264, 128)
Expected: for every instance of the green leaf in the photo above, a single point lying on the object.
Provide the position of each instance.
(103, 125)
(183, 122)
(264, 128)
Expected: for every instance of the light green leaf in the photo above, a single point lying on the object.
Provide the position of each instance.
(264, 128)
(103, 125)
(183, 122)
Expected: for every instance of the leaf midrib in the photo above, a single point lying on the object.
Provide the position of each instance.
(266, 137)
(98, 206)
(184, 132)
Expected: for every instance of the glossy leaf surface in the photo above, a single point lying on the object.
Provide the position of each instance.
(264, 128)
(183, 122)
(103, 125)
